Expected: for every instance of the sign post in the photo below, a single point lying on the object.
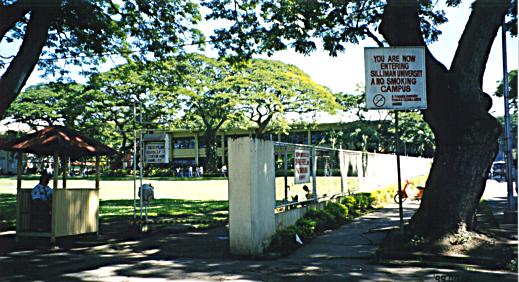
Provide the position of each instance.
(396, 80)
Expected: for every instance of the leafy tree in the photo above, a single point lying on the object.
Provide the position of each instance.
(134, 85)
(206, 99)
(465, 134)
(513, 134)
(512, 90)
(416, 137)
(50, 104)
(267, 89)
(82, 32)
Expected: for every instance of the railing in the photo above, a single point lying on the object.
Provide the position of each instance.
(335, 172)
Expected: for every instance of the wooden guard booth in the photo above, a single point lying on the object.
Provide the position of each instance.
(74, 210)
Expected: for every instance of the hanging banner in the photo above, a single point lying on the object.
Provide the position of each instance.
(395, 78)
(301, 166)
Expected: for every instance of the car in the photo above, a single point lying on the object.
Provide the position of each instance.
(498, 170)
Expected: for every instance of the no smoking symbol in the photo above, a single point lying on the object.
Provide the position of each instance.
(379, 100)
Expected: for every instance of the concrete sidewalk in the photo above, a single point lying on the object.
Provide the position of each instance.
(345, 254)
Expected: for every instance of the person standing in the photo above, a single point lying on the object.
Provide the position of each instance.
(190, 171)
(224, 170)
(41, 204)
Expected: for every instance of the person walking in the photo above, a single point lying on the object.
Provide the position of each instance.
(224, 170)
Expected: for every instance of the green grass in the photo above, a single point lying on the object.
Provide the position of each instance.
(119, 178)
(169, 208)
(7, 211)
(191, 210)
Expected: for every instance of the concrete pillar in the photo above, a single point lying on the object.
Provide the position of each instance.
(251, 195)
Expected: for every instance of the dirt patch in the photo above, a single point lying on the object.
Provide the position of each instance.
(483, 248)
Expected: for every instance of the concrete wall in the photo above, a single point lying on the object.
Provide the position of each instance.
(251, 195)
(381, 169)
(289, 217)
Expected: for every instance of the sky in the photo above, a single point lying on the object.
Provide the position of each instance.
(346, 71)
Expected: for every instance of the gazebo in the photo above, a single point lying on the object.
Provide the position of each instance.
(74, 211)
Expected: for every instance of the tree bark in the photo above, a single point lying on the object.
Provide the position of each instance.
(23, 64)
(209, 139)
(465, 134)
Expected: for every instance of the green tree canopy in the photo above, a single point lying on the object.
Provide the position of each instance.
(268, 89)
(50, 104)
(512, 90)
(465, 134)
(83, 32)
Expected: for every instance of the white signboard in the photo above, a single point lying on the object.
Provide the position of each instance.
(156, 152)
(395, 78)
(301, 166)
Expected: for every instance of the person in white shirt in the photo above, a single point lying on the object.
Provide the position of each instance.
(224, 170)
(42, 191)
(41, 204)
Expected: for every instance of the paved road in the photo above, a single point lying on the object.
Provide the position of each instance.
(340, 255)
(495, 189)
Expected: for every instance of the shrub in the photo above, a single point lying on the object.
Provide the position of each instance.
(324, 219)
(364, 201)
(350, 202)
(284, 241)
(115, 172)
(383, 196)
(307, 228)
(339, 212)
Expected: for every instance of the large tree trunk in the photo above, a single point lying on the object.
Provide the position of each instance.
(465, 134)
(209, 139)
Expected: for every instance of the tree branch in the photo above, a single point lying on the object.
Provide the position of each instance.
(476, 41)
(372, 36)
(400, 26)
(10, 15)
(23, 64)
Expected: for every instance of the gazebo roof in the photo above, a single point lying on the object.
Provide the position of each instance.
(57, 139)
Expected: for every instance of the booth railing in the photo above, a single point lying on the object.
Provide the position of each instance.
(74, 211)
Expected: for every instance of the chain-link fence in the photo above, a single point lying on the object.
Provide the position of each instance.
(307, 173)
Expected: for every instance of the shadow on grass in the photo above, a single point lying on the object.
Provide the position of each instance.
(7, 212)
(123, 178)
(169, 208)
(122, 210)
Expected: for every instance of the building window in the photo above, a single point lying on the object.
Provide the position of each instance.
(318, 137)
(184, 162)
(184, 143)
(296, 138)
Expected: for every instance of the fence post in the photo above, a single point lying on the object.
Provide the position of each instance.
(285, 165)
(252, 177)
(314, 173)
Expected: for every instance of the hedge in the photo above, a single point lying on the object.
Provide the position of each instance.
(315, 222)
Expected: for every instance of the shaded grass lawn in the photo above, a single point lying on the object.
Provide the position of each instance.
(191, 210)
